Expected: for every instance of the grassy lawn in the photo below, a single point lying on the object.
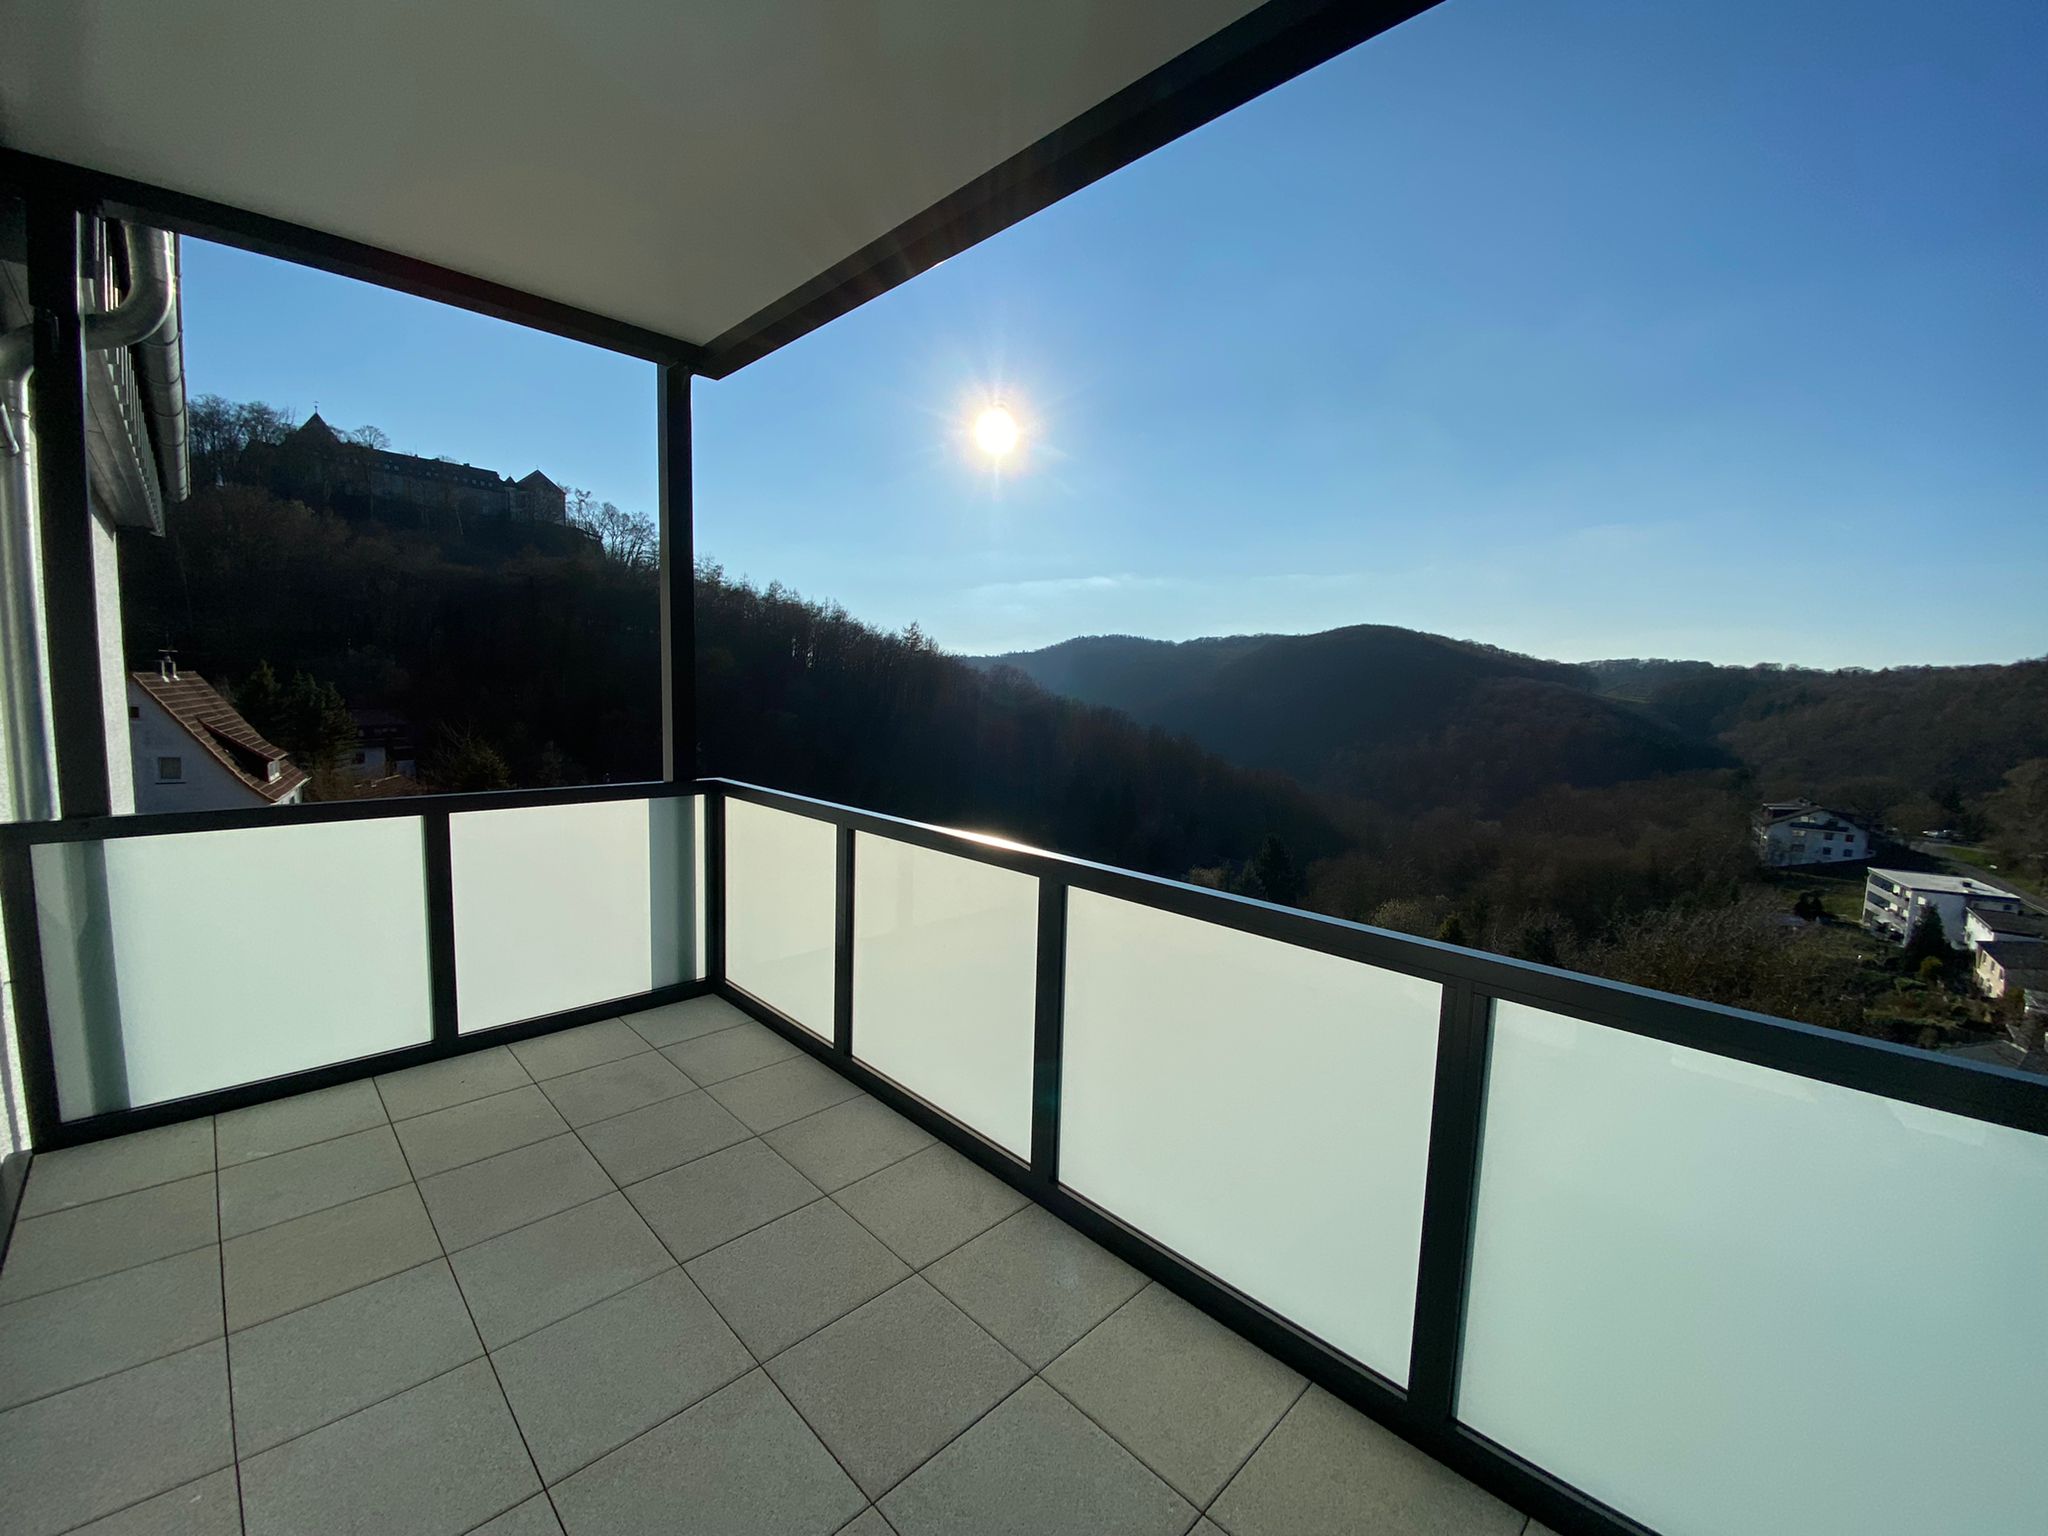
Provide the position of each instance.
(1982, 865)
(1841, 892)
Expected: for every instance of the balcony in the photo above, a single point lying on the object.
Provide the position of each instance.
(701, 1157)
(769, 1299)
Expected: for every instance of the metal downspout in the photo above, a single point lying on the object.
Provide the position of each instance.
(146, 318)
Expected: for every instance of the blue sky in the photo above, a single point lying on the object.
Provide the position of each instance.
(1588, 328)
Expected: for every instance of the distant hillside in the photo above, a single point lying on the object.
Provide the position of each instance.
(1409, 720)
(1861, 735)
(546, 659)
(1389, 715)
(804, 697)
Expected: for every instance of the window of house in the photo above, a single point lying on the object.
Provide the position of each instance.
(170, 770)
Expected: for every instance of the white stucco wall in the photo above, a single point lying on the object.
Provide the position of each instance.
(205, 786)
(106, 585)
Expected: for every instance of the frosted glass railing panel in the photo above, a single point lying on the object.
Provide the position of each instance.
(945, 957)
(1261, 1109)
(561, 906)
(780, 908)
(1735, 1302)
(184, 963)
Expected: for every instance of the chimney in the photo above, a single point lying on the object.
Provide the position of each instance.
(167, 665)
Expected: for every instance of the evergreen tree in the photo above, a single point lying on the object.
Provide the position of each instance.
(261, 701)
(464, 762)
(1451, 930)
(315, 726)
(1928, 941)
(1274, 867)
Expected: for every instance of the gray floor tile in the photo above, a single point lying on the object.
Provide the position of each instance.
(438, 1460)
(740, 1463)
(891, 1382)
(662, 1136)
(795, 1275)
(262, 1130)
(1206, 1527)
(868, 1522)
(1177, 1389)
(787, 1091)
(1035, 1283)
(598, 1093)
(1328, 1471)
(744, 1047)
(322, 1363)
(169, 1420)
(1035, 1465)
(469, 1133)
(677, 1022)
(480, 1200)
(846, 1142)
(591, 1382)
(438, 1084)
(77, 1175)
(297, 1263)
(929, 1204)
(530, 1277)
(211, 1506)
(570, 1050)
(536, 1517)
(1536, 1528)
(63, 1338)
(67, 1246)
(719, 1197)
(308, 1179)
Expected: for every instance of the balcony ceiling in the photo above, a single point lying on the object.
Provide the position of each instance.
(721, 175)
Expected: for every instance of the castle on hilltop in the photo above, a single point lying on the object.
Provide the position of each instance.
(322, 466)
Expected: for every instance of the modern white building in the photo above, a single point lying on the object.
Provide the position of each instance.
(191, 750)
(1795, 832)
(2011, 963)
(1895, 901)
(1983, 925)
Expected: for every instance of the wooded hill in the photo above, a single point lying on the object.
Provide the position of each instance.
(1406, 720)
(524, 660)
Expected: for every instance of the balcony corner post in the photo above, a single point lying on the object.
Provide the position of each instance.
(1449, 1203)
(842, 944)
(1049, 1031)
(438, 861)
(676, 574)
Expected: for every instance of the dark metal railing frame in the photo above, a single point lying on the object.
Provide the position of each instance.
(49, 1131)
(1424, 1411)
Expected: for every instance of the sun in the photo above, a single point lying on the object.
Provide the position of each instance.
(996, 432)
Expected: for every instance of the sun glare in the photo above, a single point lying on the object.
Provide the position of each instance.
(996, 432)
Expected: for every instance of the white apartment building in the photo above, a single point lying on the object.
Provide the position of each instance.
(1895, 901)
(1794, 832)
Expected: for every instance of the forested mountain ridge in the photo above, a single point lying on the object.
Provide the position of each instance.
(1405, 719)
(1391, 716)
(525, 659)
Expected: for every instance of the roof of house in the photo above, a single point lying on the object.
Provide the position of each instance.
(2017, 955)
(1944, 885)
(215, 724)
(2011, 925)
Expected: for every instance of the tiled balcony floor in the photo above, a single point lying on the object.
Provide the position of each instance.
(657, 1274)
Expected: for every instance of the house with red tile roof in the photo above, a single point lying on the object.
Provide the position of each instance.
(193, 751)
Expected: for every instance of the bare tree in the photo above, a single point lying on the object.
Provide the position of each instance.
(630, 538)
